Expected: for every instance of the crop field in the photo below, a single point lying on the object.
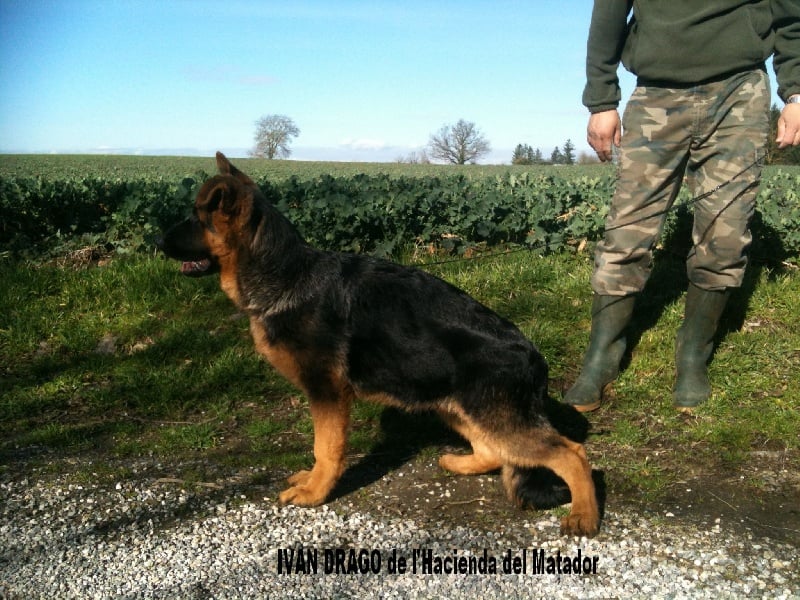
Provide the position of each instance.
(119, 203)
(136, 167)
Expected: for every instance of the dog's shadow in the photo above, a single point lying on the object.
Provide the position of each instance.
(405, 435)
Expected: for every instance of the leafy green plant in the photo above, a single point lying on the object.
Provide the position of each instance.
(382, 212)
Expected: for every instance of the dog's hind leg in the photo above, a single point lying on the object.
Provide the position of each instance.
(331, 418)
(483, 458)
(568, 460)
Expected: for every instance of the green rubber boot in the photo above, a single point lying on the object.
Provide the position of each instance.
(694, 345)
(610, 317)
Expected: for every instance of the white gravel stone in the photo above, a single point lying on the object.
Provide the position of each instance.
(137, 540)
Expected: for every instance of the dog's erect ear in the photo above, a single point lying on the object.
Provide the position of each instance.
(222, 197)
(223, 164)
(226, 168)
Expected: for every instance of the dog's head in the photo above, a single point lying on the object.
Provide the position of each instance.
(216, 228)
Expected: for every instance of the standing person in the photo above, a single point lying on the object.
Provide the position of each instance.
(700, 110)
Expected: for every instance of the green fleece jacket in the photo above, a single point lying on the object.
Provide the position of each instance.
(676, 43)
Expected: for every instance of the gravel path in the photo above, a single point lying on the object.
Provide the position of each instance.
(156, 538)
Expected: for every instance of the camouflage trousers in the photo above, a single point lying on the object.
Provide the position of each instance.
(705, 135)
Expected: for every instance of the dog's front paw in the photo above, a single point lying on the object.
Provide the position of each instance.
(300, 478)
(301, 491)
(580, 524)
(301, 495)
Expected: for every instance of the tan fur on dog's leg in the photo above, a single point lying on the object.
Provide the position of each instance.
(311, 488)
(483, 458)
(570, 463)
(567, 459)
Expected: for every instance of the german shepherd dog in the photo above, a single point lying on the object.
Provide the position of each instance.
(341, 326)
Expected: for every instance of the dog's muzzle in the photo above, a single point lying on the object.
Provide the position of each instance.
(181, 242)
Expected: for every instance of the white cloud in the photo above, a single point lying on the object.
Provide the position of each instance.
(363, 144)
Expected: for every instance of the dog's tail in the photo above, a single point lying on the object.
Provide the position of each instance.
(537, 488)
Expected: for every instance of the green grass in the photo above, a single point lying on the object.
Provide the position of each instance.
(132, 360)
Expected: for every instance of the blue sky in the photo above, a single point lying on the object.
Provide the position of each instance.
(367, 80)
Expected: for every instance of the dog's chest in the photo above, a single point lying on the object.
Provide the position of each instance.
(284, 361)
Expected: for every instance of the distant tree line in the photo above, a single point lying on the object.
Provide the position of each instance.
(526, 155)
(463, 143)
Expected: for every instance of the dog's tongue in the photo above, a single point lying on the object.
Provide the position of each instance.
(194, 268)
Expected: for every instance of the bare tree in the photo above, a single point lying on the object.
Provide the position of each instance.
(458, 144)
(415, 158)
(274, 133)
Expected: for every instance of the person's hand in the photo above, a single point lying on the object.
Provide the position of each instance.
(605, 129)
(789, 126)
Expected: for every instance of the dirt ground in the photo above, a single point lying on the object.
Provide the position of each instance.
(400, 477)
(421, 490)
